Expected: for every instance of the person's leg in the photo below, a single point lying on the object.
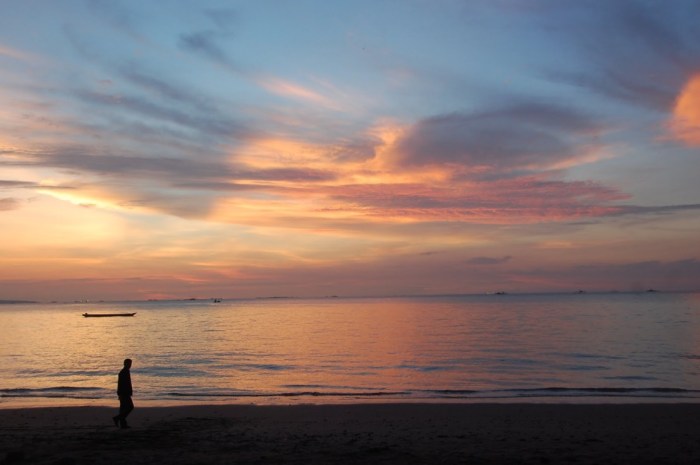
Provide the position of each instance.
(117, 419)
(125, 407)
(129, 407)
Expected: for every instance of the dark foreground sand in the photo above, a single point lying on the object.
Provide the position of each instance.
(357, 434)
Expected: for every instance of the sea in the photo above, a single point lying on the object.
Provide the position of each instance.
(586, 347)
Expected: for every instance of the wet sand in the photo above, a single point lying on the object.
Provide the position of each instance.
(357, 434)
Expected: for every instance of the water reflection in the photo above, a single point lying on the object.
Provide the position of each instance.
(411, 345)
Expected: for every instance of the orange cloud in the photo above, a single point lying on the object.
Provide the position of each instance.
(376, 164)
(270, 153)
(685, 123)
(378, 188)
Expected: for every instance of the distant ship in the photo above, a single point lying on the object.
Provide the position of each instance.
(95, 315)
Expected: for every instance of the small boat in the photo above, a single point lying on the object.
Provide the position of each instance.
(94, 315)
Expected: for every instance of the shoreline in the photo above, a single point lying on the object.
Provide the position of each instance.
(401, 433)
(285, 401)
(295, 402)
(607, 396)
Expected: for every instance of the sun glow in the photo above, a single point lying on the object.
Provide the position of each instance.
(76, 199)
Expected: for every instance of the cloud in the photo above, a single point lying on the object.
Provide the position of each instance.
(164, 102)
(223, 18)
(90, 161)
(162, 168)
(8, 203)
(680, 275)
(118, 17)
(514, 200)
(524, 137)
(181, 187)
(359, 149)
(429, 253)
(489, 260)
(5, 184)
(296, 91)
(212, 125)
(685, 120)
(85, 47)
(17, 54)
(166, 89)
(655, 210)
(205, 43)
(309, 184)
(640, 53)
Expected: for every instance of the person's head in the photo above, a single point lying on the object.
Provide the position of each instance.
(127, 363)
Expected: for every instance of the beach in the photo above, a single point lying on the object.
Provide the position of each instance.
(365, 433)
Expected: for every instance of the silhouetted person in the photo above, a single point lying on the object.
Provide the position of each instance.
(124, 391)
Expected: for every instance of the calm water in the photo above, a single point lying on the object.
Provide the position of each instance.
(617, 346)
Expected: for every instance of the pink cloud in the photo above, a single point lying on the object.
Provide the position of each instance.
(16, 54)
(519, 200)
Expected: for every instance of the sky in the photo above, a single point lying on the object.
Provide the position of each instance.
(178, 149)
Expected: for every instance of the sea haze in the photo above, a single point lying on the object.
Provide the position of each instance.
(533, 348)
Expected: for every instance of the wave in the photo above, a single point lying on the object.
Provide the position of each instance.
(290, 394)
(331, 387)
(57, 392)
(569, 392)
(348, 392)
(427, 394)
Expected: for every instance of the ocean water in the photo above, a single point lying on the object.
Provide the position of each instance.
(532, 348)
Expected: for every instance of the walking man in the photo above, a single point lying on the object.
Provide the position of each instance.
(124, 391)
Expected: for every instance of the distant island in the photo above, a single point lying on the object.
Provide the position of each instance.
(8, 302)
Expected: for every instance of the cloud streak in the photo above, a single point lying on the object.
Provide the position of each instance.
(680, 275)
(204, 43)
(205, 125)
(489, 260)
(16, 54)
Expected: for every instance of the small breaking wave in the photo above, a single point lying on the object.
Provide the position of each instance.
(70, 392)
(457, 394)
(290, 394)
(351, 393)
(661, 392)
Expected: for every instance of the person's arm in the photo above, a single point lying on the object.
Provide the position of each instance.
(128, 384)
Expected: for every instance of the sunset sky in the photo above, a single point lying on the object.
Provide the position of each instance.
(179, 149)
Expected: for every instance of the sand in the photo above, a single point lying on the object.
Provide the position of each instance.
(357, 434)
